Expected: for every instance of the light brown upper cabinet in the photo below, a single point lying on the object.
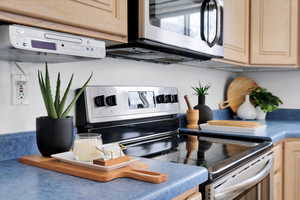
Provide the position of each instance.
(104, 19)
(261, 32)
(236, 30)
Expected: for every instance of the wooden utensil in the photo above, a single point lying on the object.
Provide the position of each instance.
(186, 98)
(237, 90)
(136, 170)
(235, 123)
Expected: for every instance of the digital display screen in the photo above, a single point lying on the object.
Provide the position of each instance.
(43, 45)
(141, 99)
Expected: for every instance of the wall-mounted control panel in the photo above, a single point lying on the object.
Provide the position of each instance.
(15, 39)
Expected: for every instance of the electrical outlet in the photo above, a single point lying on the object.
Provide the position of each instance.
(19, 89)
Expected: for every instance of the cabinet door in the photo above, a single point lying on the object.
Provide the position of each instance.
(107, 16)
(236, 30)
(274, 32)
(277, 172)
(277, 186)
(291, 170)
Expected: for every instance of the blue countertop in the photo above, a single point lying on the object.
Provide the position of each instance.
(18, 181)
(276, 131)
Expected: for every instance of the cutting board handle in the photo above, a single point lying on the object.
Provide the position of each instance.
(224, 104)
(144, 175)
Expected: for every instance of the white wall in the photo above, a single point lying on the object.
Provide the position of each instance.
(285, 85)
(106, 72)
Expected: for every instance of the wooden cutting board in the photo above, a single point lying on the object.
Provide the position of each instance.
(236, 92)
(136, 170)
(235, 123)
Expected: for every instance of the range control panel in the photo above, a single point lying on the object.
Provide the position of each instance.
(109, 103)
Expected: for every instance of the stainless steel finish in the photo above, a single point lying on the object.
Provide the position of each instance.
(163, 135)
(220, 140)
(122, 110)
(259, 191)
(148, 141)
(241, 179)
(148, 31)
(17, 44)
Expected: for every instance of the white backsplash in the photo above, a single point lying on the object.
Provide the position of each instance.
(285, 85)
(109, 71)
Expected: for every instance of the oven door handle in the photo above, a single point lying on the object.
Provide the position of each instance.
(248, 182)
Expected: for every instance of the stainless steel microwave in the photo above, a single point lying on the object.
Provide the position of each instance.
(173, 30)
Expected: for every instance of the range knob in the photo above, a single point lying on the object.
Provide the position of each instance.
(168, 98)
(99, 101)
(175, 98)
(160, 99)
(111, 100)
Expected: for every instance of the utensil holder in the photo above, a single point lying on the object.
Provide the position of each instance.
(192, 117)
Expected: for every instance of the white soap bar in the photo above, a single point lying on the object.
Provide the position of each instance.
(111, 151)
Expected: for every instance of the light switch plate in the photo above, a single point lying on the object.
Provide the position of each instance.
(19, 89)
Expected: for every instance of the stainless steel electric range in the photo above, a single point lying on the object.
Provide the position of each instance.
(145, 120)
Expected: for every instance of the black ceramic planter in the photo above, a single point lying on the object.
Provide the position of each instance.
(205, 113)
(54, 135)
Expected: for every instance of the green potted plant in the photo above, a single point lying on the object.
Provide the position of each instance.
(264, 102)
(205, 113)
(54, 132)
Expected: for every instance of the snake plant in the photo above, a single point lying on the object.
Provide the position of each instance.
(56, 109)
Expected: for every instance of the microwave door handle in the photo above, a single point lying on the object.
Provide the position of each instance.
(202, 21)
(248, 182)
(208, 23)
(212, 43)
(219, 23)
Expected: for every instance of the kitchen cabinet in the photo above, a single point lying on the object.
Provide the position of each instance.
(261, 32)
(236, 30)
(274, 31)
(192, 194)
(277, 172)
(104, 19)
(291, 169)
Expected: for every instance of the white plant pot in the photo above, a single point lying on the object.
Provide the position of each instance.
(260, 115)
(246, 110)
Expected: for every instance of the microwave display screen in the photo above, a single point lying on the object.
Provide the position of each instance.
(43, 45)
(141, 99)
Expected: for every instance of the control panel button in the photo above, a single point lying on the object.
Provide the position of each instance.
(99, 101)
(160, 99)
(168, 98)
(111, 100)
(175, 98)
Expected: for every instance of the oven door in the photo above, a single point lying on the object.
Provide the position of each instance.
(191, 24)
(243, 182)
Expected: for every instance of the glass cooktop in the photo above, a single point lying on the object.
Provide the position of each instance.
(217, 155)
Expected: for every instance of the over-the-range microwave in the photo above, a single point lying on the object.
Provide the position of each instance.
(172, 31)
